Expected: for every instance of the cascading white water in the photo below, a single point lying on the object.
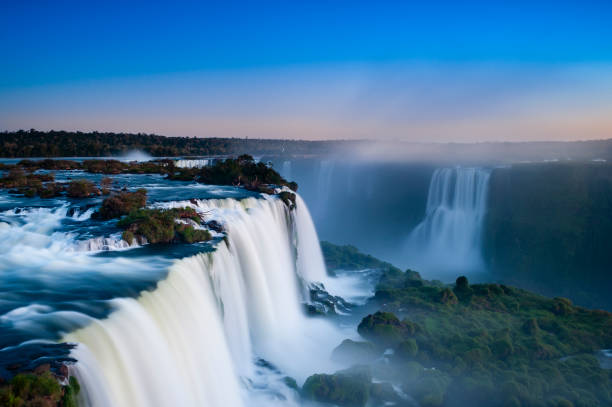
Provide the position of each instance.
(448, 240)
(194, 339)
(192, 163)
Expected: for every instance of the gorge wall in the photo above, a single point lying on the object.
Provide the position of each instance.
(548, 229)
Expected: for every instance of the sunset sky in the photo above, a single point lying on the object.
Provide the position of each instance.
(436, 71)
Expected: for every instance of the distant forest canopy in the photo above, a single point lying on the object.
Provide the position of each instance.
(34, 143)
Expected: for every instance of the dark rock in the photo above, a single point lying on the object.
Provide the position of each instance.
(216, 226)
(329, 304)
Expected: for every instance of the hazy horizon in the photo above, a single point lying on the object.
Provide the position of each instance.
(422, 73)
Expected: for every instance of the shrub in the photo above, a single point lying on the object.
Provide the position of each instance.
(160, 226)
(38, 388)
(461, 284)
(383, 328)
(407, 349)
(121, 204)
(350, 388)
(189, 234)
(81, 188)
(448, 297)
(128, 236)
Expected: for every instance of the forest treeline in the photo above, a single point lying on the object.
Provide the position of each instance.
(34, 143)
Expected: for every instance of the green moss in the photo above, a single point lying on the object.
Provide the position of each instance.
(291, 383)
(407, 349)
(121, 204)
(128, 236)
(188, 234)
(39, 388)
(160, 225)
(347, 388)
(496, 346)
(383, 328)
(349, 258)
(70, 393)
(81, 188)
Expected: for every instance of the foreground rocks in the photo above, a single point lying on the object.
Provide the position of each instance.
(462, 344)
(164, 226)
(40, 387)
(121, 204)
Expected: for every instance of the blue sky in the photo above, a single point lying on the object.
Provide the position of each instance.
(431, 71)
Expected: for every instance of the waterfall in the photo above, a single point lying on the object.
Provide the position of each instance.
(448, 240)
(324, 181)
(195, 340)
(198, 163)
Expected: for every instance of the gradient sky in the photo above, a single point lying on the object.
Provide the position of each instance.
(436, 71)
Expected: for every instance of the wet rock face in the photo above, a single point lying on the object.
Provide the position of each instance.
(216, 226)
(288, 198)
(321, 302)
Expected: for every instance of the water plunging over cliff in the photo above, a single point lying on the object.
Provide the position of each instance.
(196, 339)
(192, 163)
(448, 240)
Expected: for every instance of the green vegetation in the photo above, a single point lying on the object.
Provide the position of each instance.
(35, 143)
(38, 388)
(349, 258)
(121, 204)
(241, 171)
(30, 184)
(82, 188)
(484, 344)
(548, 229)
(161, 226)
(350, 388)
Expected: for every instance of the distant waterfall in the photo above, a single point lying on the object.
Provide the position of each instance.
(286, 170)
(324, 181)
(448, 240)
(195, 339)
(197, 163)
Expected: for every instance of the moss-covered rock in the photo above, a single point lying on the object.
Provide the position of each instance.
(163, 225)
(383, 328)
(38, 388)
(82, 188)
(346, 388)
(189, 234)
(288, 198)
(496, 346)
(121, 204)
(407, 349)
